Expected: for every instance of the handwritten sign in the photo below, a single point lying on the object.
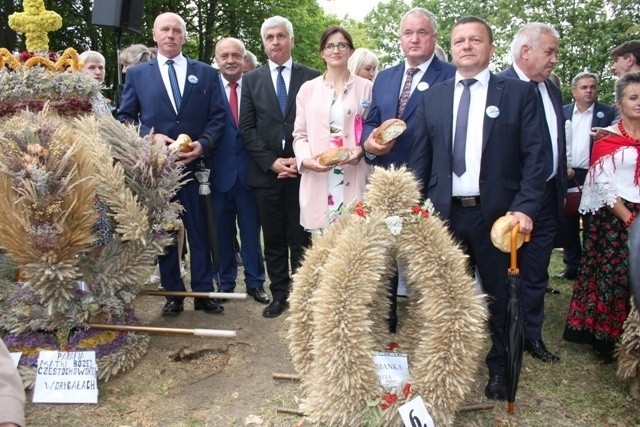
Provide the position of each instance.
(16, 358)
(392, 368)
(66, 377)
(415, 414)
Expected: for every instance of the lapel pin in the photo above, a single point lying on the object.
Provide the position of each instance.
(422, 86)
(600, 114)
(493, 111)
(192, 79)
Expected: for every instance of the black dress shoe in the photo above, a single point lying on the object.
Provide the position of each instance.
(259, 295)
(172, 308)
(537, 349)
(276, 308)
(496, 388)
(209, 306)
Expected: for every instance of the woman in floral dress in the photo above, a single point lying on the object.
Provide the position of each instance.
(330, 112)
(600, 301)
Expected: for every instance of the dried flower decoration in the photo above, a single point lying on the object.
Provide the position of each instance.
(35, 22)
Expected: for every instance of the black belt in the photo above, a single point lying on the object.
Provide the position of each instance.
(466, 202)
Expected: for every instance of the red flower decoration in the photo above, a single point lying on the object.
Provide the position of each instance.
(406, 390)
(388, 399)
(360, 210)
(418, 210)
(392, 345)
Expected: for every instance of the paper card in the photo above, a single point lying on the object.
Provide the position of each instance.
(66, 377)
(392, 368)
(16, 358)
(415, 414)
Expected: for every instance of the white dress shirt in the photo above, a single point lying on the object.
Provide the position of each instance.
(286, 73)
(180, 65)
(227, 90)
(422, 68)
(581, 137)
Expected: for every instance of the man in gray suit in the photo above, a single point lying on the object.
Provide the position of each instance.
(267, 114)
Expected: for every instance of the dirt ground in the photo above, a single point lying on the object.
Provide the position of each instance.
(228, 383)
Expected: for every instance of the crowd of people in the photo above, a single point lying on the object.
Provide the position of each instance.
(482, 144)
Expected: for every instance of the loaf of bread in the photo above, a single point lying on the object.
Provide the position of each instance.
(388, 131)
(333, 156)
(501, 234)
(181, 144)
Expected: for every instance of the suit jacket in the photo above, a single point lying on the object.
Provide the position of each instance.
(311, 133)
(230, 159)
(145, 102)
(556, 100)
(513, 149)
(603, 114)
(263, 125)
(384, 106)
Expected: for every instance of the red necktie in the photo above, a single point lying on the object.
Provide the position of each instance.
(233, 100)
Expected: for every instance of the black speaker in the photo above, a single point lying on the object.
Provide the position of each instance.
(125, 14)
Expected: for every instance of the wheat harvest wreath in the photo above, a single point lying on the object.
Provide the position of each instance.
(340, 304)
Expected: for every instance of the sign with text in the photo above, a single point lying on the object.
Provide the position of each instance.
(415, 414)
(66, 377)
(392, 368)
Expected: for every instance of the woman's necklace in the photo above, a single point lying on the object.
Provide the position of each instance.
(624, 133)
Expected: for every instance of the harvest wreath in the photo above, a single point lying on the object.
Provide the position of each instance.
(340, 304)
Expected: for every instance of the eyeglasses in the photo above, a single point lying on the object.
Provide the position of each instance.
(331, 47)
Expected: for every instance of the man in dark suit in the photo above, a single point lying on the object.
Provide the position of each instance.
(232, 195)
(479, 154)
(584, 114)
(267, 114)
(170, 95)
(534, 50)
(396, 92)
(418, 37)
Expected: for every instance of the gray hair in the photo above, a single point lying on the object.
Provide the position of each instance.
(135, 54)
(421, 11)
(529, 35)
(582, 75)
(624, 81)
(91, 56)
(251, 59)
(276, 21)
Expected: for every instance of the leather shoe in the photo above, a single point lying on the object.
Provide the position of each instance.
(537, 350)
(276, 308)
(172, 308)
(496, 388)
(259, 295)
(567, 274)
(209, 306)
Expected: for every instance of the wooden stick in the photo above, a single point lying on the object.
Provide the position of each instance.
(212, 333)
(292, 411)
(182, 294)
(286, 377)
(476, 407)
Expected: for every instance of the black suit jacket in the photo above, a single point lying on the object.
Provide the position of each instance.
(513, 150)
(262, 124)
(556, 100)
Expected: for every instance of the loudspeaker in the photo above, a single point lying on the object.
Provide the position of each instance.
(125, 14)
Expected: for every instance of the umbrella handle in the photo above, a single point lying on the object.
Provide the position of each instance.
(513, 269)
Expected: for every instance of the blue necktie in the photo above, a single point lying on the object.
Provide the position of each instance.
(459, 166)
(173, 81)
(548, 161)
(281, 90)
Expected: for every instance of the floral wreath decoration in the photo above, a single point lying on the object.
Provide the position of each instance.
(52, 171)
(339, 305)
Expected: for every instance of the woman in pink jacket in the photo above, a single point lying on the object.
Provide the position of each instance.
(330, 110)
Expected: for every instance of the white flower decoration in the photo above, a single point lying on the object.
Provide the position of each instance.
(394, 224)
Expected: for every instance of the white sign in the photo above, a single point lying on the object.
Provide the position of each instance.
(415, 414)
(66, 377)
(392, 368)
(16, 358)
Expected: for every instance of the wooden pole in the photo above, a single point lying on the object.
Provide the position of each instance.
(212, 333)
(292, 411)
(183, 294)
(286, 377)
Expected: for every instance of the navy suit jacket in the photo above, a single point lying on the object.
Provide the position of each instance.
(384, 106)
(230, 158)
(603, 114)
(556, 100)
(145, 102)
(263, 125)
(513, 149)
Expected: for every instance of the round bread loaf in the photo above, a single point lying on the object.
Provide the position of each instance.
(501, 234)
(389, 130)
(181, 144)
(333, 156)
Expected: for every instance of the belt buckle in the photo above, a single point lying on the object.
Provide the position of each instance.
(467, 202)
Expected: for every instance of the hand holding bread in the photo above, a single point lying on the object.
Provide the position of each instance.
(181, 144)
(388, 131)
(333, 156)
(501, 234)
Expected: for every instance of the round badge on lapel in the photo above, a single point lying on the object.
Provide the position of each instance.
(422, 86)
(192, 79)
(493, 111)
(599, 114)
